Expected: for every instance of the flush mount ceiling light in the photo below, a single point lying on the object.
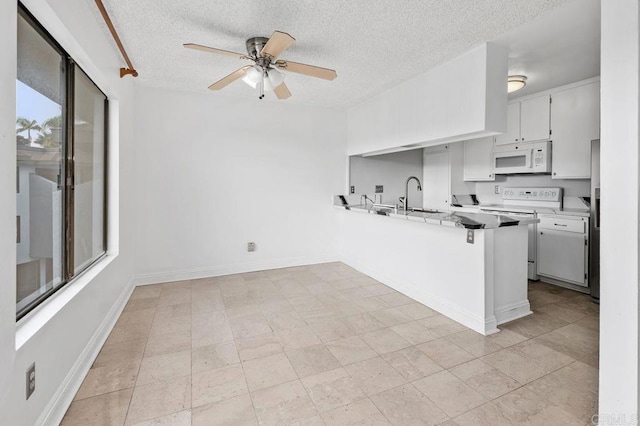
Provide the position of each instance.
(516, 82)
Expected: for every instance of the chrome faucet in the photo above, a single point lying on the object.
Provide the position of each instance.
(406, 192)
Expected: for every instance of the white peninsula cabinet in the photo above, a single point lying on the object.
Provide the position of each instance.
(477, 159)
(527, 121)
(575, 122)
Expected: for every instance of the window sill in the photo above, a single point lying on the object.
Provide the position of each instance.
(31, 323)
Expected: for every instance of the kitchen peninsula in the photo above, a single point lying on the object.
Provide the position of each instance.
(469, 267)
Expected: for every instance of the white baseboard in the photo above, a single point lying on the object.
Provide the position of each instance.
(467, 319)
(196, 273)
(61, 400)
(513, 311)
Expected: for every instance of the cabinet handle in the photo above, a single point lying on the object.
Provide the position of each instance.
(516, 139)
(522, 139)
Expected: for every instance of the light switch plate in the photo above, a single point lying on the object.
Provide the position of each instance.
(470, 236)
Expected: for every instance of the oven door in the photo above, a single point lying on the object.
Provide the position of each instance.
(516, 161)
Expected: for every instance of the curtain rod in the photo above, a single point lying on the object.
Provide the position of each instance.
(123, 71)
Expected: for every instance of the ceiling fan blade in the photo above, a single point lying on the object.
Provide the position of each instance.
(230, 78)
(282, 91)
(278, 43)
(309, 70)
(214, 50)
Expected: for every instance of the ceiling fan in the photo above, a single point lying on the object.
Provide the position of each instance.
(264, 73)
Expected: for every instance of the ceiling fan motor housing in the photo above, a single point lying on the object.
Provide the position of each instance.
(255, 45)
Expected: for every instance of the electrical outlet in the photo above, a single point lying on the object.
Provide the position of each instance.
(352, 189)
(496, 189)
(379, 189)
(251, 246)
(31, 379)
(470, 236)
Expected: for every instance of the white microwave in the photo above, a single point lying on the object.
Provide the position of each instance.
(522, 158)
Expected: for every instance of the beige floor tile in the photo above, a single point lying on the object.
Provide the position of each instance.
(333, 297)
(159, 399)
(170, 325)
(332, 389)
(561, 312)
(485, 379)
(181, 418)
(548, 358)
(574, 388)
(356, 293)
(441, 325)
(164, 367)
(312, 360)
(516, 365)
(206, 303)
(343, 284)
(411, 363)
(485, 415)
(128, 333)
(363, 412)
(268, 371)
(363, 323)
(319, 288)
(258, 346)
(305, 303)
(534, 325)
(414, 332)
(346, 309)
(590, 322)
(214, 356)
(385, 341)
(143, 292)
(391, 316)
(249, 326)
(230, 412)
(378, 289)
(331, 329)
(209, 329)
(405, 405)
(396, 299)
(309, 421)
(297, 338)
(285, 320)
(216, 385)
(277, 306)
(119, 352)
(582, 303)
(137, 304)
(285, 403)
(578, 342)
(474, 343)
(374, 375)
(506, 338)
(107, 409)
(168, 343)
(449, 393)
(111, 377)
(364, 280)
(173, 311)
(524, 407)
(350, 350)
(445, 353)
(138, 316)
(540, 298)
(371, 304)
(418, 311)
(174, 296)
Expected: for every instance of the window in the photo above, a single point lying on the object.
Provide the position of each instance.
(61, 118)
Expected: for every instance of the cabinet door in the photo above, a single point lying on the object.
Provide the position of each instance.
(513, 126)
(575, 122)
(477, 160)
(534, 119)
(561, 255)
(435, 183)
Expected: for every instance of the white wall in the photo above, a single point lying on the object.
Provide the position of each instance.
(215, 172)
(389, 170)
(620, 188)
(57, 333)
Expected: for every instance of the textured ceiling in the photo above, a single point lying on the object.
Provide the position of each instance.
(372, 44)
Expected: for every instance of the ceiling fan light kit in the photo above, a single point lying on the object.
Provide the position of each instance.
(516, 82)
(264, 74)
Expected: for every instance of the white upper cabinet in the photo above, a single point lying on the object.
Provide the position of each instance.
(527, 121)
(477, 159)
(575, 122)
(534, 119)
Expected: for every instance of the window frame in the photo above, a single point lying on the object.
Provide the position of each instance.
(67, 172)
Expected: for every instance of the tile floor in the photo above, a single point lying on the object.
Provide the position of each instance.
(327, 345)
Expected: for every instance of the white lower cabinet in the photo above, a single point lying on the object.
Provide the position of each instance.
(563, 248)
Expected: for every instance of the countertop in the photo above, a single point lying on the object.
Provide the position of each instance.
(450, 218)
(581, 212)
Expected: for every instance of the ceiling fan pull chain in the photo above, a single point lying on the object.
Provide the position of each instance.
(264, 75)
